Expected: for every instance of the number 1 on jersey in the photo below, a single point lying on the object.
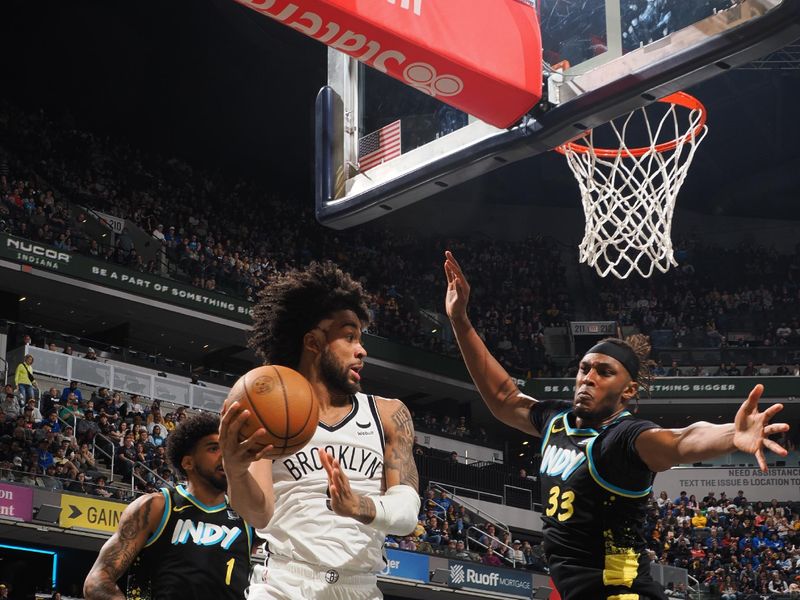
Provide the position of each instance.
(560, 500)
(229, 572)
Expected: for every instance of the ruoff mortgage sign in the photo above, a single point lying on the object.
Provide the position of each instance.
(475, 576)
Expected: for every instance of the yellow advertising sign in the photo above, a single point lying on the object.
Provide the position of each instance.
(90, 513)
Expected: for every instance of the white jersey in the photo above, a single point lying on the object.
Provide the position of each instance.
(303, 526)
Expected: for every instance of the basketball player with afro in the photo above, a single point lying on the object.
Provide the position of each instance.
(326, 509)
(598, 460)
(184, 542)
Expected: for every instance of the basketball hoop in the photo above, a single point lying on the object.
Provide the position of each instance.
(629, 193)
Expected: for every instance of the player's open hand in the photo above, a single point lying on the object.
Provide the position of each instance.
(457, 297)
(344, 501)
(753, 428)
(237, 454)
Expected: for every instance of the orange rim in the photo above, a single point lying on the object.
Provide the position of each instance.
(678, 98)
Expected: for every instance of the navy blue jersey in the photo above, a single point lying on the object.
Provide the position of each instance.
(595, 492)
(197, 552)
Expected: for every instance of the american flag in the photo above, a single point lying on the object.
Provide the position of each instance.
(379, 146)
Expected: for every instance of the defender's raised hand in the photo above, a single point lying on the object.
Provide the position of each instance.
(457, 297)
(753, 428)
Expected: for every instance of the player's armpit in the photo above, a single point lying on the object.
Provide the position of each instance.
(136, 524)
(398, 461)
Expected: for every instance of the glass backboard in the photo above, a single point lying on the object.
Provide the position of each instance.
(603, 59)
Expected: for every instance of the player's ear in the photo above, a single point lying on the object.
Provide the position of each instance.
(314, 341)
(630, 391)
(187, 462)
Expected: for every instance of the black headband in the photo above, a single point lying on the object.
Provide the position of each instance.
(623, 354)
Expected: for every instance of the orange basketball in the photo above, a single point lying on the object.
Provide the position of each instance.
(281, 401)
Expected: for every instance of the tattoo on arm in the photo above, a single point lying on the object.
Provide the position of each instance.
(400, 455)
(117, 555)
(366, 510)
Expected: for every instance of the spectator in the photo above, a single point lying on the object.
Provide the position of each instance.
(52, 422)
(50, 481)
(462, 553)
(72, 388)
(491, 559)
(434, 534)
(514, 554)
(44, 456)
(136, 407)
(126, 457)
(71, 410)
(100, 488)
(489, 539)
(49, 400)
(10, 404)
(699, 520)
(450, 550)
(90, 354)
(157, 437)
(24, 379)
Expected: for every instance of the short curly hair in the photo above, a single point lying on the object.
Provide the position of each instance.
(294, 303)
(183, 439)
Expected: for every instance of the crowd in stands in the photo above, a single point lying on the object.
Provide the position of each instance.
(717, 298)
(54, 174)
(456, 427)
(449, 529)
(65, 440)
(736, 549)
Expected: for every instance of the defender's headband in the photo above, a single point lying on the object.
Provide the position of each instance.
(623, 354)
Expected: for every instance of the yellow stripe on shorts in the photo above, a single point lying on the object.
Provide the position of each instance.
(621, 569)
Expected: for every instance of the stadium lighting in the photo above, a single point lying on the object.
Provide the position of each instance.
(53, 575)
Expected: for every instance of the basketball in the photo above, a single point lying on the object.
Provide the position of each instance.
(281, 401)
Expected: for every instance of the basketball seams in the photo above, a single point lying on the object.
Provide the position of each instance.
(256, 393)
(290, 449)
(308, 416)
(257, 413)
(285, 406)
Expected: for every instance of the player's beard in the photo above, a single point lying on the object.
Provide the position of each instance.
(337, 376)
(215, 478)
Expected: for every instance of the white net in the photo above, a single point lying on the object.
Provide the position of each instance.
(629, 193)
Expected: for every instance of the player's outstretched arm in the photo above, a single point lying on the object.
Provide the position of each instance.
(136, 525)
(496, 387)
(661, 449)
(249, 474)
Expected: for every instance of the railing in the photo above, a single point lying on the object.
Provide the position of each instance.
(158, 477)
(111, 456)
(713, 357)
(476, 541)
(123, 379)
(518, 496)
(439, 487)
(455, 490)
(95, 448)
(488, 483)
